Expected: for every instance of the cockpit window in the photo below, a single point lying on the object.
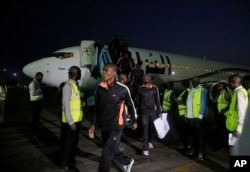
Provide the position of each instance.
(63, 55)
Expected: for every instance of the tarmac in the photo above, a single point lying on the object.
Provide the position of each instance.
(20, 151)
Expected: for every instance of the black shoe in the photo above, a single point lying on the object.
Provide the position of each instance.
(190, 152)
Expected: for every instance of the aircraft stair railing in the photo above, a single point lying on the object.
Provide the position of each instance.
(102, 57)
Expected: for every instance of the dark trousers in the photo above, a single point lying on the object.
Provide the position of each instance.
(110, 151)
(69, 142)
(148, 128)
(197, 135)
(222, 132)
(184, 133)
(36, 108)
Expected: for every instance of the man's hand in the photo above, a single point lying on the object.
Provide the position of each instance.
(73, 127)
(236, 134)
(92, 131)
(160, 115)
(134, 126)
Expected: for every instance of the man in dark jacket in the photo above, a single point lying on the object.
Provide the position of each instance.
(111, 99)
(149, 108)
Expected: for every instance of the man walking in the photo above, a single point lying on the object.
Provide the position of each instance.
(111, 99)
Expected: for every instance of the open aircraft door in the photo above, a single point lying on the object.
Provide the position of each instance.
(88, 53)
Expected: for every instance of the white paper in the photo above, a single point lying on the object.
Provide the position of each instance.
(161, 126)
(232, 140)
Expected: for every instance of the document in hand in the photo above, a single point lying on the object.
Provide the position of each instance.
(162, 126)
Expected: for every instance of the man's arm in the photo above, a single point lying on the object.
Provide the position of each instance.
(131, 108)
(65, 102)
(241, 108)
(157, 102)
(203, 109)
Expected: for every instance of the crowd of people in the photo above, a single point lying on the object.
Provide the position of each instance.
(136, 97)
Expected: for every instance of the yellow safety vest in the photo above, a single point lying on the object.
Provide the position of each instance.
(182, 107)
(3, 92)
(196, 102)
(75, 104)
(232, 114)
(38, 92)
(222, 103)
(166, 105)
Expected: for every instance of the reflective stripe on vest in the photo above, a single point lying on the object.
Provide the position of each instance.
(38, 92)
(3, 92)
(232, 114)
(166, 105)
(222, 103)
(182, 107)
(197, 102)
(75, 104)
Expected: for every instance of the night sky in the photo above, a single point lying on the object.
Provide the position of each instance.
(214, 29)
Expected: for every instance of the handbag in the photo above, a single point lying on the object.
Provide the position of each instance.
(161, 126)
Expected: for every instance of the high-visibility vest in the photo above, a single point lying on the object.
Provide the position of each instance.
(38, 91)
(196, 102)
(182, 107)
(248, 93)
(166, 105)
(75, 104)
(3, 92)
(232, 114)
(222, 103)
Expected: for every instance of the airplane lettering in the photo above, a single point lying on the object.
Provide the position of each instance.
(155, 67)
(138, 56)
(169, 65)
(61, 68)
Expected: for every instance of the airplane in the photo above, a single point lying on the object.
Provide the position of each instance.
(162, 66)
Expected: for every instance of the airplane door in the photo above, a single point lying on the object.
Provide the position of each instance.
(87, 53)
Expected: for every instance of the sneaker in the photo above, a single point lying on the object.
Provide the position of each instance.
(145, 152)
(201, 157)
(128, 167)
(150, 145)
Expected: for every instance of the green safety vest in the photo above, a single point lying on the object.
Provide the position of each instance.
(232, 114)
(3, 92)
(182, 107)
(38, 92)
(222, 103)
(196, 102)
(166, 105)
(75, 104)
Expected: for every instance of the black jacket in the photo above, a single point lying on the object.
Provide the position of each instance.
(110, 106)
(148, 100)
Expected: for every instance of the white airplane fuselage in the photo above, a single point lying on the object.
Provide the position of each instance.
(162, 66)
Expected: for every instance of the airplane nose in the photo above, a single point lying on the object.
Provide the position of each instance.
(31, 69)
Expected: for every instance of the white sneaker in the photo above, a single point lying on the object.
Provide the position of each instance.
(150, 145)
(128, 167)
(145, 152)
